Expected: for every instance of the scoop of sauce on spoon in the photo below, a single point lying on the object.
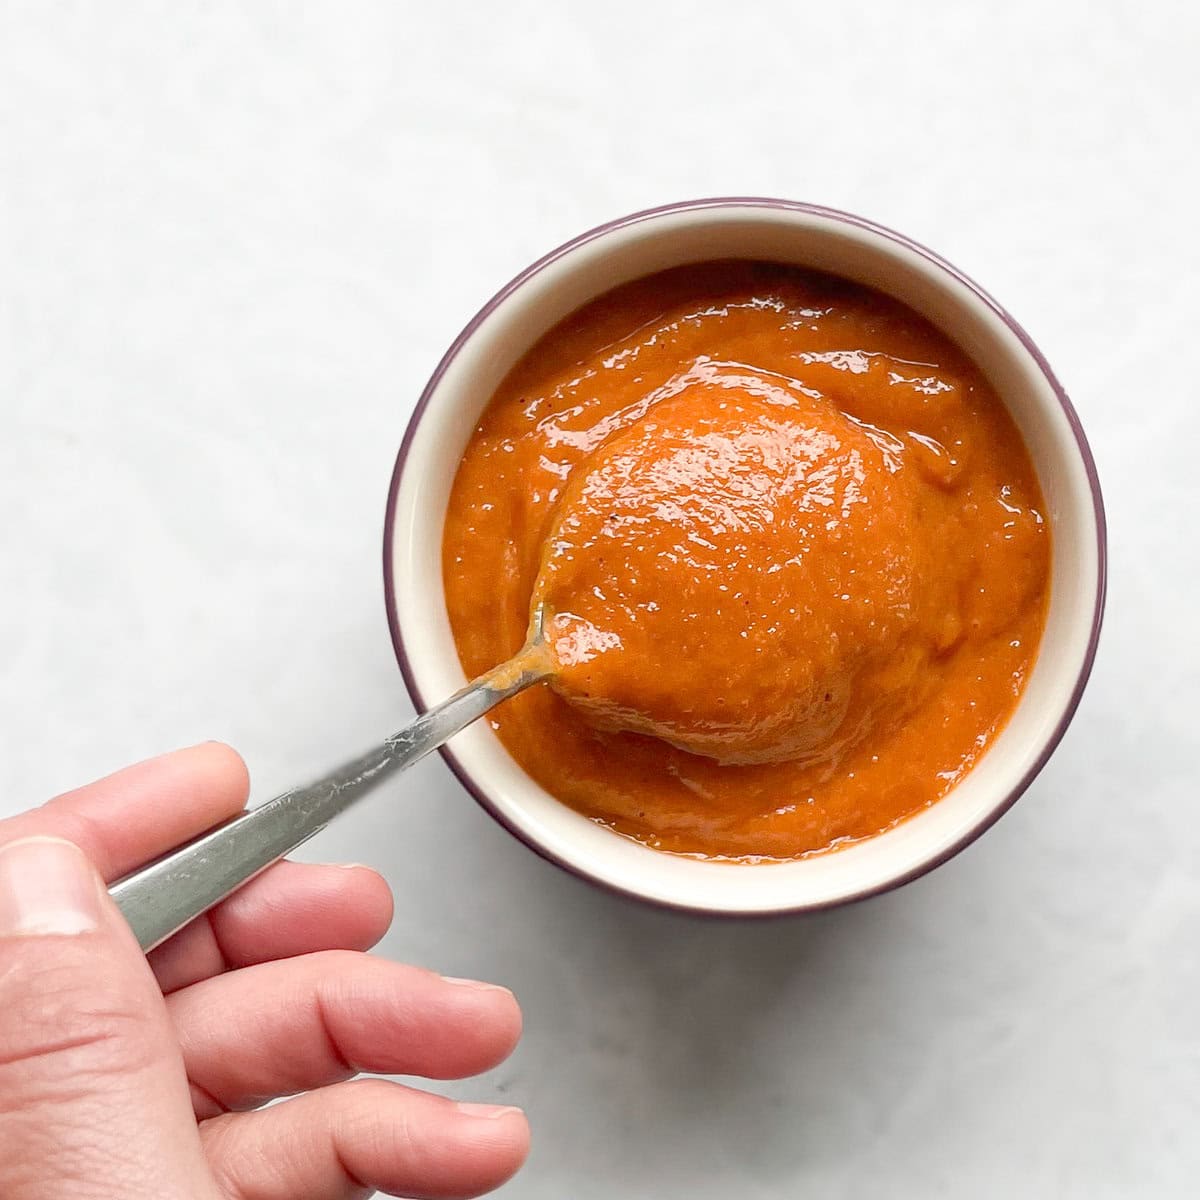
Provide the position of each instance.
(740, 573)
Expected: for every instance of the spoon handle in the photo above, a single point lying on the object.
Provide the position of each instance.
(159, 899)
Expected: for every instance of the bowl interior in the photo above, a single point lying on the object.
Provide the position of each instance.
(807, 237)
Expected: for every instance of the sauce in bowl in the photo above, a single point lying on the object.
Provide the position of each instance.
(792, 550)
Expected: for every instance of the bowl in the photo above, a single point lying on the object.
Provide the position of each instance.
(822, 239)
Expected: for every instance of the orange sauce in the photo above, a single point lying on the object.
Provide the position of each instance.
(791, 548)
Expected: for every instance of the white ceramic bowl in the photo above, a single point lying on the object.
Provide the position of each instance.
(830, 241)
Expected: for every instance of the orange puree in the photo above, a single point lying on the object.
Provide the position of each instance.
(791, 551)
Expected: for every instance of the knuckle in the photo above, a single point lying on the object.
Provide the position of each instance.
(368, 1108)
(380, 1121)
(68, 1025)
(226, 1159)
(367, 1094)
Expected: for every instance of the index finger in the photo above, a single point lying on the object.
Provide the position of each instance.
(140, 812)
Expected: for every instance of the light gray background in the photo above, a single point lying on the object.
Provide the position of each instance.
(234, 241)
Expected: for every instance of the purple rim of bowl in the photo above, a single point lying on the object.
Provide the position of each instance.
(994, 814)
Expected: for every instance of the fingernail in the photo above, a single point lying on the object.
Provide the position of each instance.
(486, 1112)
(352, 866)
(47, 886)
(477, 985)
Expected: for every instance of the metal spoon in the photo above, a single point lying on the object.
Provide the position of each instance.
(159, 899)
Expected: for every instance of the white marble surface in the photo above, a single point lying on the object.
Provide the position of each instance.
(234, 240)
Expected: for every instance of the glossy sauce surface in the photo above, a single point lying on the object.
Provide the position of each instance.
(792, 547)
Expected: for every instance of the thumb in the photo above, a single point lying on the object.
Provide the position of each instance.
(93, 1097)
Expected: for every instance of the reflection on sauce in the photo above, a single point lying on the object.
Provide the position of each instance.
(792, 546)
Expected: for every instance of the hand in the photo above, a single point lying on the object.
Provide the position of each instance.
(127, 1077)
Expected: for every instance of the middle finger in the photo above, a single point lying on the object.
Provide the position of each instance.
(289, 910)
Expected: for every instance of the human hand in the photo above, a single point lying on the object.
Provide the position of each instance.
(127, 1077)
